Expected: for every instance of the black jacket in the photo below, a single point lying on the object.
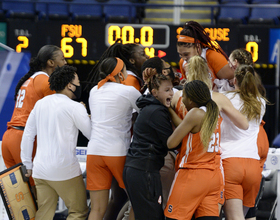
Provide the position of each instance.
(150, 133)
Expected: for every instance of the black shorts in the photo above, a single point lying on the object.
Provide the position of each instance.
(251, 213)
(145, 193)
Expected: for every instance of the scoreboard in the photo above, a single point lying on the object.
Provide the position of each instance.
(88, 40)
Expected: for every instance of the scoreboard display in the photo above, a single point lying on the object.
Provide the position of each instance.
(88, 40)
(85, 42)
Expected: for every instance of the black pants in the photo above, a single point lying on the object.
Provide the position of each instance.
(145, 193)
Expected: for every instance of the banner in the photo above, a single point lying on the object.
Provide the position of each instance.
(273, 48)
(13, 66)
(3, 33)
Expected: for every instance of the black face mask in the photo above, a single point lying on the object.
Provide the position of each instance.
(77, 92)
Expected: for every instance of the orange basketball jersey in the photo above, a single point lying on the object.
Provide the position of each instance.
(181, 110)
(215, 60)
(33, 89)
(132, 81)
(193, 154)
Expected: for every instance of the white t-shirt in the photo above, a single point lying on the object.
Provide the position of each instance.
(55, 120)
(236, 142)
(111, 110)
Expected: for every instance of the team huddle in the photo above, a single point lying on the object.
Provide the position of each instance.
(176, 146)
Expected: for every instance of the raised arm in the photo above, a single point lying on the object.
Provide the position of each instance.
(174, 117)
(191, 123)
(227, 108)
(175, 99)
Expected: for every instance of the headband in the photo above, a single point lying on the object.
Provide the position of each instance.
(111, 77)
(186, 39)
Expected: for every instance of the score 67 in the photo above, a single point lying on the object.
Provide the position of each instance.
(68, 50)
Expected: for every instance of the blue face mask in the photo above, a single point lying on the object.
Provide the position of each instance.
(77, 92)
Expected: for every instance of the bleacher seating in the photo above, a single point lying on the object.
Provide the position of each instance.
(83, 11)
(234, 1)
(126, 11)
(58, 10)
(233, 15)
(248, 15)
(264, 15)
(18, 9)
(264, 1)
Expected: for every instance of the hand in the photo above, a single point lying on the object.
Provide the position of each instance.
(29, 173)
(83, 104)
(148, 73)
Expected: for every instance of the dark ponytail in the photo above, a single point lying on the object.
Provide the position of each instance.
(37, 64)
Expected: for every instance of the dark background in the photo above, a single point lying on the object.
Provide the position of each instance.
(49, 32)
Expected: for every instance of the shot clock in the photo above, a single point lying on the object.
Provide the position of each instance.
(149, 36)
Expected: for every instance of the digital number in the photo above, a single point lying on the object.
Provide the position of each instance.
(253, 48)
(146, 36)
(214, 143)
(150, 52)
(83, 41)
(127, 33)
(68, 50)
(20, 98)
(72, 31)
(24, 44)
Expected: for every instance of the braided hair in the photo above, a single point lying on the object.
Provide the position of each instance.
(196, 31)
(123, 51)
(153, 79)
(38, 63)
(198, 92)
(245, 57)
(157, 64)
(242, 56)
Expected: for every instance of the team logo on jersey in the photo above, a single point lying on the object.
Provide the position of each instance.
(170, 208)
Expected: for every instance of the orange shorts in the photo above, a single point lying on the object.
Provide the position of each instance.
(242, 179)
(11, 148)
(194, 191)
(263, 144)
(101, 169)
(219, 162)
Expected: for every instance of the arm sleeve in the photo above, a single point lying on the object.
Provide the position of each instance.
(82, 120)
(160, 121)
(215, 60)
(42, 86)
(27, 141)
